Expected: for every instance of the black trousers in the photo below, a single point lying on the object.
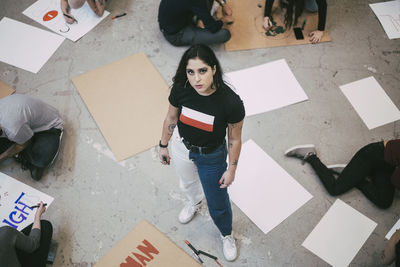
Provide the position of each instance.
(38, 258)
(42, 150)
(366, 171)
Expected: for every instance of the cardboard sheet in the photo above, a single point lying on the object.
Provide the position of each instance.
(264, 191)
(371, 102)
(16, 198)
(340, 234)
(49, 14)
(146, 246)
(388, 14)
(26, 47)
(248, 33)
(266, 87)
(393, 230)
(5, 89)
(128, 99)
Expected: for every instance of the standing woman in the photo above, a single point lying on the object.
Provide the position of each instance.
(294, 9)
(203, 106)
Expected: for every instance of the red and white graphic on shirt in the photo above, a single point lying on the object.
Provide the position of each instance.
(197, 119)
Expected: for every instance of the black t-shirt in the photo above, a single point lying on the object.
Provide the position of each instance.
(174, 15)
(202, 120)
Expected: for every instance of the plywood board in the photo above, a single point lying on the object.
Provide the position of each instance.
(26, 47)
(128, 99)
(5, 89)
(388, 14)
(266, 87)
(248, 33)
(371, 102)
(263, 190)
(146, 246)
(49, 14)
(16, 198)
(340, 234)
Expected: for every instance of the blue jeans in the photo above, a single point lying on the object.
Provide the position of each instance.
(210, 168)
(311, 6)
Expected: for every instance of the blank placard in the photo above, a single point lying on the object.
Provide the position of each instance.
(371, 102)
(26, 47)
(388, 14)
(340, 234)
(128, 100)
(266, 87)
(264, 191)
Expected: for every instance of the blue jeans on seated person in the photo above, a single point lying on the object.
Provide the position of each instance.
(311, 6)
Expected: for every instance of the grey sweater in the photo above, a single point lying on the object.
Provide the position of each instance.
(11, 239)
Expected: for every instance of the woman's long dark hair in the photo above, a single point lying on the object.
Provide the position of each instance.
(204, 53)
(292, 5)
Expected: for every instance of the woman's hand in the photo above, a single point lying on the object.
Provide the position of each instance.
(227, 178)
(40, 210)
(164, 156)
(316, 36)
(267, 23)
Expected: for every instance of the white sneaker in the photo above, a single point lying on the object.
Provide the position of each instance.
(188, 212)
(229, 247)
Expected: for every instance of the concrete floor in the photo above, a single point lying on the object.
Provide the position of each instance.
(98, 201)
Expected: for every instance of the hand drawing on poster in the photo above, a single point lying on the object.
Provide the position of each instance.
(16, 199)
(49, 14)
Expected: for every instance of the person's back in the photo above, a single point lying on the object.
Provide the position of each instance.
(173, 15)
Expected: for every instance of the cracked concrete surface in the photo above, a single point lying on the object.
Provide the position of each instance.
(98, 201)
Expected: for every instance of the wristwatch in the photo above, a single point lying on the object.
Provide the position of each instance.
(163, 146)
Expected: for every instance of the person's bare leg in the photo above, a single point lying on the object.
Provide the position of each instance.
(97, 6)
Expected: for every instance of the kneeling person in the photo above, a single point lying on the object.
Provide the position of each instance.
(31, 130)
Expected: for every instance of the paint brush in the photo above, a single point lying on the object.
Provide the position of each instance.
(37, 206)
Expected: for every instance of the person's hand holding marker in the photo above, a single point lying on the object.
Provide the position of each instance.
(267, 23)
(316, 36)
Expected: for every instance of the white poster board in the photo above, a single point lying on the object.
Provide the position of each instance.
(388, 14)
(26, 47)
(266, 87)
(16, 198)
(371, 102)
(393, 230)
(263, 190)
(49, 14)
(340, 234)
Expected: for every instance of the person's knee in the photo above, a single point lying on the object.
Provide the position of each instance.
(76, 3)
(384, 203)
(225, 35)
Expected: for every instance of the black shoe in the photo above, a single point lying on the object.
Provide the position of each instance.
(36, 173)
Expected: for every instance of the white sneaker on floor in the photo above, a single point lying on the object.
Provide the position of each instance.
(337, 168)
(229, 247)
(188, 212)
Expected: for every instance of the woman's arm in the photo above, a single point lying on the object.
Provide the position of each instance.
(234, 147)
(168, 128)
(66, 9)
(97, 6)
(316, 36)
(30, 243)
(267, 14)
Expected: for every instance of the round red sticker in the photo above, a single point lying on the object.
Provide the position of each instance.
(50, 15)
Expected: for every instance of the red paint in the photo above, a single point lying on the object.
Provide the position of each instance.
(50, 15)
(147, 249)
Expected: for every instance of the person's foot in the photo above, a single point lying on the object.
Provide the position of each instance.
(337, 168)
(229, 247)
(302, 152)
(188, 212)
(36, 173)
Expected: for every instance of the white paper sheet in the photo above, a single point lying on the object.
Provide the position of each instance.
(266, 87)
(340, 234)
(49, 14)
(388, 14)
(16, 198)
(393, 230)
(264, 191)
(371, 102)
(26, 47)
